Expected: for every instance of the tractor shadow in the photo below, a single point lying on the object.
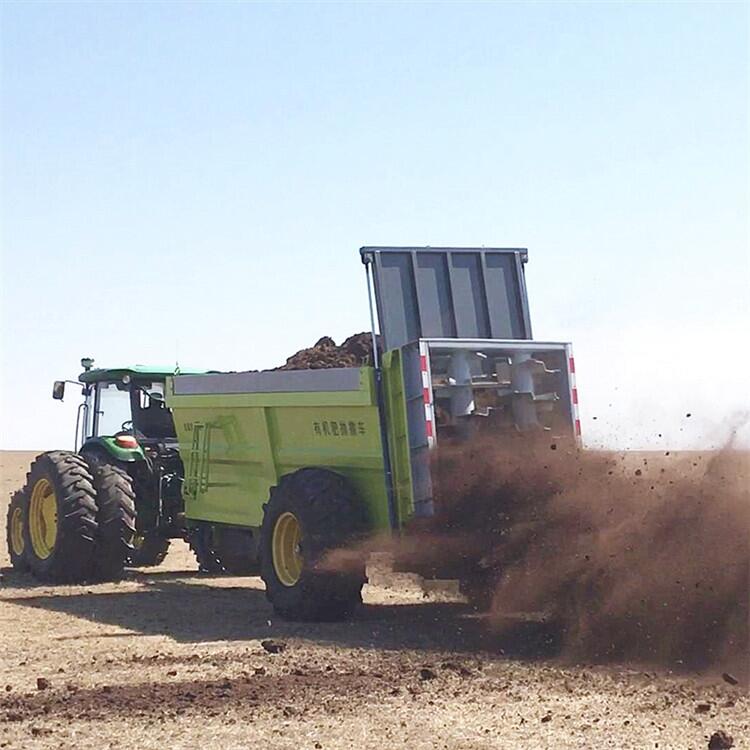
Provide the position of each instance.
(205, 609)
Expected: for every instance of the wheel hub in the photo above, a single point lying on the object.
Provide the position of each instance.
(287, 549)
(43, 519)
(16, 531)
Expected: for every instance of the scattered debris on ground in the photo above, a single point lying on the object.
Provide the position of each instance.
(273, 647)
(720, 741)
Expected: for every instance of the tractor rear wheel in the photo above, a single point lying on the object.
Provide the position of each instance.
(223, 549)
(310, 513)
(17, 511)
(116, 520)
(61, 529)
(149, 550)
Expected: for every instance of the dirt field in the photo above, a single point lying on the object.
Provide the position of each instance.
(171, 659)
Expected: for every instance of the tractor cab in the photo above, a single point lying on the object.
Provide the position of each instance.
(123, 409)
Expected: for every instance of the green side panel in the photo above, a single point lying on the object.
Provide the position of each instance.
(235, 447)
(128, 455)
(398, 433)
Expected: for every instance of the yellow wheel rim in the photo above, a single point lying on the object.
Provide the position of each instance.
(43, 519)
(287, 556)
(138, 540)
(16, 531)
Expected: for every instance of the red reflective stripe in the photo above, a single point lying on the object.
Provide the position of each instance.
(575, 395)
(426, 395)
(423, 362)
(572, 364)
(578, 426)
(429, 428)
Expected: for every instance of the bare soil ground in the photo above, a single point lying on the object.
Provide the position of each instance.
(168, 658)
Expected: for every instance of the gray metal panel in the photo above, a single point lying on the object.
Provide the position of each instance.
(444, 292)
(400, 316)
(283, 381)
(495, 346)
(433, 283)
(502, 273)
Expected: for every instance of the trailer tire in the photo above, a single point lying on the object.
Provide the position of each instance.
(217, 551)
(149, 550)
(17, 520)
(61, 529)
(115, 499)
(201, 542)
(310, 513)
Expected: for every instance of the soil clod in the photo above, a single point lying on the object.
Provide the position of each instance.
(273, 647)
(720, 740)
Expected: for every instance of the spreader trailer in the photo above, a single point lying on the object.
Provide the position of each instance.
(295, 464)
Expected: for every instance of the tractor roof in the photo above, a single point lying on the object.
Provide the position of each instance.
(135, 371)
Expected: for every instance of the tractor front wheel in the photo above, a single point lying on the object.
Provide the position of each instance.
(61, 530)
(309, 514)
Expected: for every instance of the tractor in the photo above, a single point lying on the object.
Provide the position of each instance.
(116, 501)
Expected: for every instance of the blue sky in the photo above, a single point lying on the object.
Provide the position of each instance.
(193, 182)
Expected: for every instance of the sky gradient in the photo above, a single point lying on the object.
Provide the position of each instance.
(192, 182)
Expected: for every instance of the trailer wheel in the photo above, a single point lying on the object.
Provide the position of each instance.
(202, 543)
(116, 520)
(223, 549)
(310, 513)
(61, 529)
(17, 512)
(148, 550)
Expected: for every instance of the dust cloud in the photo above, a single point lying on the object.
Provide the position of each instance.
(640, 556)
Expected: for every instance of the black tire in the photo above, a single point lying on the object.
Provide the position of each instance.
(146, 550)
(61, 530)
(115, 499)
(201, 542)
(223, 549)
(14, 528)
(149, 550)
(329, 516)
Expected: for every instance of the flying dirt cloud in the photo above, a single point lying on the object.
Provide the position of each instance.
(640, 557)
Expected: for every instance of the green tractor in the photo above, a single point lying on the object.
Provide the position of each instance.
(116, 501)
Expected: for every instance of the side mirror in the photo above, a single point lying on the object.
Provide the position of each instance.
(58, 390)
